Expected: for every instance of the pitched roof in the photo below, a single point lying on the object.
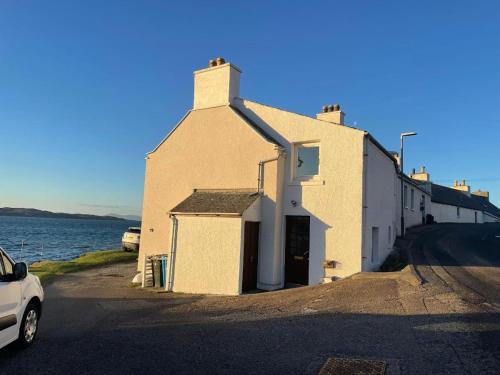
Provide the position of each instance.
(453, 197)
(242, 108)
(256, 127)
(213, 202)
(487, 205)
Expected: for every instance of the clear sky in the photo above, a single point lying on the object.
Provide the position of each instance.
(88, 87)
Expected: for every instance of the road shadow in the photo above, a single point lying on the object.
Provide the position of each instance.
(127, 337)
(456, 245)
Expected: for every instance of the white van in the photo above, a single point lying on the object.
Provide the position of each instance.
(21, 297)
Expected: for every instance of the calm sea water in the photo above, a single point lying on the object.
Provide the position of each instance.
(59, 239)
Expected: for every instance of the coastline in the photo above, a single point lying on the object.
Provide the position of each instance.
(48, 270)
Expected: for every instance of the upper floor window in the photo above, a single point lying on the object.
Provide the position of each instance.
(412, 199)
(306, 161)
(458, 211)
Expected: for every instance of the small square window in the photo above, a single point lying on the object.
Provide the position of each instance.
(307, 161)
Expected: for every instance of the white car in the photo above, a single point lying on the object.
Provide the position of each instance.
(131, 239)
(21, 297)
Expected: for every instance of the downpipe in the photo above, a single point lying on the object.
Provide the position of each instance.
(173, 249)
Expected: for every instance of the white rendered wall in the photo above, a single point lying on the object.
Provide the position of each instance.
(413, 216)
(487, 218)
(444, 213)
(333, 201)
(208, 255)
(380, 205)
(211, 149)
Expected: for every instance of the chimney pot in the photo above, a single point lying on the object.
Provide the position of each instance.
(331, 113)
(220, 61)
(212, 63)
(413, 171)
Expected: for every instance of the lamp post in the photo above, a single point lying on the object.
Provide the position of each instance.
(401, 173)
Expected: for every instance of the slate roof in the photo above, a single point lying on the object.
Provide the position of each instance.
(212, 202)
(446, 195)
(487, 205)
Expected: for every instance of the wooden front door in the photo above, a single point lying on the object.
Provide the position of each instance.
(250, 256)
(297, 250)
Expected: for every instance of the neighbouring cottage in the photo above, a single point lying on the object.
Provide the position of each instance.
(243, 195)
(457, 204)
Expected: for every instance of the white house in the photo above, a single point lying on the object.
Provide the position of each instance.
(457, 204)
(242, 195)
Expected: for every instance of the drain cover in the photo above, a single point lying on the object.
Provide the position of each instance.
(346, 366)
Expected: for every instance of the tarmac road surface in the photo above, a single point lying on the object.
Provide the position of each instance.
(94, 323)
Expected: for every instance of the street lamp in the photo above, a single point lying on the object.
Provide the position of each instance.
(401, 172)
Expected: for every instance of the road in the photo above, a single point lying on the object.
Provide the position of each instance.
(94, 323)
(469, 253)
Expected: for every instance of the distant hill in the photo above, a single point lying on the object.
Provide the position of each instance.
(127, 217)
(32, 212)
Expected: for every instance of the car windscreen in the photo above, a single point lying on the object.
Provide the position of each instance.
(134, 230)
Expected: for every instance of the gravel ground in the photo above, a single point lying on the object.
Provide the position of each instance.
(94, 323)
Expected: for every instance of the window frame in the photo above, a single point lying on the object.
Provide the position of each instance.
(405, 196)
(294, 168)
(2, 267)
(4, 275)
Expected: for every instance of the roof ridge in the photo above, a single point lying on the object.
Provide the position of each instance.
(300, 114)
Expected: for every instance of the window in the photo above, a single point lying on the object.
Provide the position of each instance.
(422, 203)
(5, 265)
(307, 161)
(405, 196)
(458, 211)
(412, 199)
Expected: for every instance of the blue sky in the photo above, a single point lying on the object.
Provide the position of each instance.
(88, 87)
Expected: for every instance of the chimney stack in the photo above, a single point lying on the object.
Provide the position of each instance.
(482, 194)
(421, 175)
(216, 85)
(462, 186)
(331, 113)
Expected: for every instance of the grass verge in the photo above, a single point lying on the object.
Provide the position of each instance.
(48, 269)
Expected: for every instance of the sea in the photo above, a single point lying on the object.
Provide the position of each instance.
(31, 239)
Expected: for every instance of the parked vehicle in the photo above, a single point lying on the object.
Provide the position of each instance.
(21, 297)
(131, 239)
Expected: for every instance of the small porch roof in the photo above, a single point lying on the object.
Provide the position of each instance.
(216, 202)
